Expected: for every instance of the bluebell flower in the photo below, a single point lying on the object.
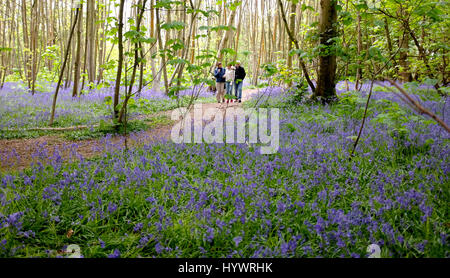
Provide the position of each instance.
(115, 254)
(237, 240)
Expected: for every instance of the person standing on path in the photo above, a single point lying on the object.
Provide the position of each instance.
(229, 80)
(219, 74)
(239, 80)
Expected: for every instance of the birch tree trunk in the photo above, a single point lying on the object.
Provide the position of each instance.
(226, 34)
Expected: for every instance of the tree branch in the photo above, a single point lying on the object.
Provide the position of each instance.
(295, 41)
(422, 109)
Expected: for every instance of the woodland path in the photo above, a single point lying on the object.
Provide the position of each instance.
(18, 154)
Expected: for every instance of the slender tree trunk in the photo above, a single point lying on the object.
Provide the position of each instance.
(238, 34)
(120, 62)
(34, 32)
(345, 44)
(90, 40)
(422, 54)
(185, 51)
(162, 49)
(269, 36)
(226, 35)
(359, 43)
(388, 36)
(77, 69)
(55, 96)
(155, 74)
(72, 61)
(262, 44)
(27, 56)
(292, 27)
(294, 40)
(141, 5)
(103, 13)
(192, 54)
(405, 74)
(255, 49)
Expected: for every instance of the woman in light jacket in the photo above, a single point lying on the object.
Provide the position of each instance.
(229, 80)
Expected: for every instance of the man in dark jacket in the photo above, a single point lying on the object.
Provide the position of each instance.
(219, 73)
(239, 79)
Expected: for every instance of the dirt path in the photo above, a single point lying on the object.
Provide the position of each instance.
(18, 154)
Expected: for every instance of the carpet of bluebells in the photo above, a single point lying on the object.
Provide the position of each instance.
(217, 200)
(20, 109)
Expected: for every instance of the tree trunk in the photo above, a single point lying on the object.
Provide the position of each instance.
(122, 116)
(238, 34)
(120, 63)
(76, 78)
(90, 40)
(162, 49)
(326, 84)
(226, 35)
(294, 40)
(359, 43)
(422, 53)
(388, 36)
(405, 74)
(255, 50)
(55, 96)
(292, 27)
(27, 56)
(34, 41)
(156, 76)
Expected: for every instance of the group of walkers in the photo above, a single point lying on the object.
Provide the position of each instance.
(228, 79)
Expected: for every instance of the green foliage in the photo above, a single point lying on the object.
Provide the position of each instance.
(301, 54)
(229, 97)
(393, 117)
(52, 53)
(228, 51)
(166, 4)
(5, 49)
(352, 104)
(307, 7)
(136, 37)
(174, 25)
(222, 28)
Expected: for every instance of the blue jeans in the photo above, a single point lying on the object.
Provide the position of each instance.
(238, 90)
(229, 87)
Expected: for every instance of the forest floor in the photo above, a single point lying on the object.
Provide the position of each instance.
(23, 152)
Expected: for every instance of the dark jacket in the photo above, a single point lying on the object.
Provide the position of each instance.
(219, 75)
(240, 74)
